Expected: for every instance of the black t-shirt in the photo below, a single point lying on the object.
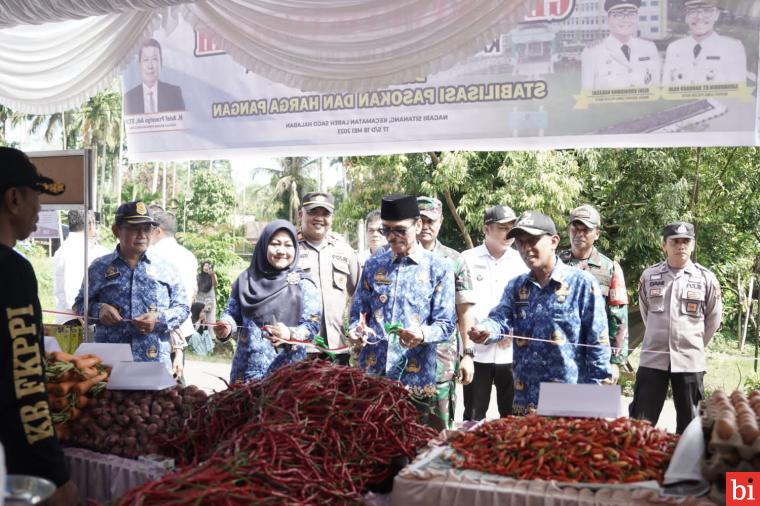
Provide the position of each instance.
(26, 429)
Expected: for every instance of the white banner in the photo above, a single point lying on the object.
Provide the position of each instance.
(641, 73)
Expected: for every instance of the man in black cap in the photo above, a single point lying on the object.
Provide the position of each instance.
(681, 308)
(136, 297)
(26, 427)
(558, 308)
(404, 307)
(332, 264)
(492, 265)
(621, 60)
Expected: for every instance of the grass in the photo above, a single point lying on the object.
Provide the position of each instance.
(728, 368)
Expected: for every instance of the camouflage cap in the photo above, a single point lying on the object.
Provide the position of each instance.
(430, 207)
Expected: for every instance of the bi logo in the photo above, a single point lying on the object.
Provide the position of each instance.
(742, 489)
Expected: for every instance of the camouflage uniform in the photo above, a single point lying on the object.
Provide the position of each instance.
(609, 274)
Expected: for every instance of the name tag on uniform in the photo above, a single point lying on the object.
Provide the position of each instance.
(112, 272)
(644, 58)
(695, 295)
(655, 276)
(713, 58)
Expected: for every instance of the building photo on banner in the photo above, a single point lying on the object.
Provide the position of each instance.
(572, 74)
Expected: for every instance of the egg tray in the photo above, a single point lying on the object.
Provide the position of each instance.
(727, 454)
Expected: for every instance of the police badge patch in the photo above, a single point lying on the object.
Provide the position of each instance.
(112, 272)
(152, 351)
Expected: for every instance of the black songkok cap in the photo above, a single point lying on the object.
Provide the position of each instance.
(399, 207)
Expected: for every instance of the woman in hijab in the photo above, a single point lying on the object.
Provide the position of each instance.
(271, 301)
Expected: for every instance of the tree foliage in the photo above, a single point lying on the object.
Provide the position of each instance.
(212, 201)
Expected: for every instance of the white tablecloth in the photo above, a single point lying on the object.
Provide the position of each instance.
(107, 477)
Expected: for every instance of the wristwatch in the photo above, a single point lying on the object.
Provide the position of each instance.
(468, 352)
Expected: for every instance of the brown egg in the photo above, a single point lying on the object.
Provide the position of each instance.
(757, 411)
(744, 408)
(749, 433)
(754, 394)
(725, 427)
(718, 394)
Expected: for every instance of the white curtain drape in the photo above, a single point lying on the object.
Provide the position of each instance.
(315, 45)
(352, 44)
(34, 12)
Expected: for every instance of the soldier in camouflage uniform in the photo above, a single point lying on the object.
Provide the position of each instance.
(584, 229)
(449, 352)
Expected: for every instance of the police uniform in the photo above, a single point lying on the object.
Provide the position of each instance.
(681, 309)
(609, 275)
(334, 268)
(605, 65)
(715, 59)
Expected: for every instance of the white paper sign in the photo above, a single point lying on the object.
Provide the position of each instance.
(51, 344)
(587, 401)
(110, 354)
(140, 376)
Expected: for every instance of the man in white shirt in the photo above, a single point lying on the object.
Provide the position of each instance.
(375, 240)
(68, 262)
(165, 246)
(704, 56)
(492, 265)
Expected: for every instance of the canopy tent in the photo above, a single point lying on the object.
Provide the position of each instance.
(56, 54)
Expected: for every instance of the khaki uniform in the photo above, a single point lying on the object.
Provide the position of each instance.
(681, 313)
(335, 269)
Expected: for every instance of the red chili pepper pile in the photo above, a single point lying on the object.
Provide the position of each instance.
(566, 449)
(311, 433)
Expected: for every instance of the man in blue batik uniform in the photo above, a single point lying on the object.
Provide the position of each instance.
(412, 287)
(137, 298)
(553, 302)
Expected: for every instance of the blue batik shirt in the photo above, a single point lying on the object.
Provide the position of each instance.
(416, 291)
(152, 286)
(255, 356)
(568, 310)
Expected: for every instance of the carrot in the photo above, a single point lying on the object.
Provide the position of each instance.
(59, 403)
(81, 402)
(83, 387)
(88, 372)
(60, 356)
(86, 361)
(62, 389)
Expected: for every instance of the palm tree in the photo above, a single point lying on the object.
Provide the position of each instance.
(292, 178)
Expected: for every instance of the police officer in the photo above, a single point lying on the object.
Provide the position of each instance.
(448, 358)
(681, 307)
(704, 56)
(26, 426)
(621, 60)
(559, 306)
(136, 296)
(584, 229)
(331, 263)
(409, 288)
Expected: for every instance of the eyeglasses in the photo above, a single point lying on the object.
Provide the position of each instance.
(138, 229)
(624, 14)
(386, 231)
(700, 11)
